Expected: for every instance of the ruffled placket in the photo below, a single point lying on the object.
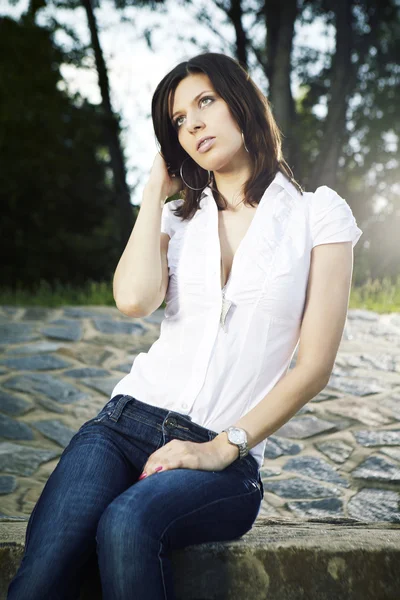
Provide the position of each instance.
(226, 302)
(256, 253)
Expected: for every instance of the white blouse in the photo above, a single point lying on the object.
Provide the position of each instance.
(221, 351)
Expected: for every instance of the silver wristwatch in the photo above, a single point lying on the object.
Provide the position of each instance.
(238, 437)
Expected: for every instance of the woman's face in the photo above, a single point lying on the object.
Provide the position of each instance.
(198, 111)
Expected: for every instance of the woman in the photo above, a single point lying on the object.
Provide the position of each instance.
(249, 265)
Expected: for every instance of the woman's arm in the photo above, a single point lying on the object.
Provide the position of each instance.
(322, 328)
(141, 276)
(138, 276)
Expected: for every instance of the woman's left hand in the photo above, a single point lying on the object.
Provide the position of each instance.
(178, 454)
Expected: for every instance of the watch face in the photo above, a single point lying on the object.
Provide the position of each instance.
(237, 436)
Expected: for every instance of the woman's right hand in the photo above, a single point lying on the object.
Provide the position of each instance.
(161, 179)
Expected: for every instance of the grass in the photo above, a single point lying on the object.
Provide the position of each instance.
(382, 296)
(379, 295)
(59, 294)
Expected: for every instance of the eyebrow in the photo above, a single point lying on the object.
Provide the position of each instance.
(194, 100)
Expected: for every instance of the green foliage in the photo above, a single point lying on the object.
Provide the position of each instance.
(59, 294)
(58, 209)
(382, 296)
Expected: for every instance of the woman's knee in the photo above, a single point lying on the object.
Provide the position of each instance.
(122, 524)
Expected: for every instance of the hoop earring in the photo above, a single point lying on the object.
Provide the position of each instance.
(247, 150)
(189, 186)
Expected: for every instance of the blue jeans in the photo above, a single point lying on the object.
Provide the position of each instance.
(93, 503)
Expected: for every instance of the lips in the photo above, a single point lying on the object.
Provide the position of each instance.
(207, 137)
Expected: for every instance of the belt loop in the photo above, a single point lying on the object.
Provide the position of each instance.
(116, 413)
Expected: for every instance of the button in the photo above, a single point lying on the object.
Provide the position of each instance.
(184, 405)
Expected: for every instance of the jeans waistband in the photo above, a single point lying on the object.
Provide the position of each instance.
(119, 402)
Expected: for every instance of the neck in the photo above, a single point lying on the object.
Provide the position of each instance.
(230, 184)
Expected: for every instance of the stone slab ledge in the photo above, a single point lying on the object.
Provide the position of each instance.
(279, 559)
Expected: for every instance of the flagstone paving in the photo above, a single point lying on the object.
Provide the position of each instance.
(339, 456)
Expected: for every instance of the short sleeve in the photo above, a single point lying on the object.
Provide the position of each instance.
(166, 219)
(331, 218)
(170, 223)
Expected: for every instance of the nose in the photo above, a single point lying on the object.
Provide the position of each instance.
(194, 124)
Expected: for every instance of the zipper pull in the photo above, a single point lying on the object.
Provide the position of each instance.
(226, 304)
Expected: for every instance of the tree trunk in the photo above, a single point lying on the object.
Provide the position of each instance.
(280, 18)
(326, 165)
(235, 13)
(112, 132)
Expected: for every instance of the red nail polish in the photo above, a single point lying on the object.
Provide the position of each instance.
(143, 475)
(158, 469)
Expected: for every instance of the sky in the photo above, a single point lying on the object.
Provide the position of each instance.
(135, 70)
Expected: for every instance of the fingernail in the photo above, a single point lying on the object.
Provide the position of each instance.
(158, 469)
(143, 475)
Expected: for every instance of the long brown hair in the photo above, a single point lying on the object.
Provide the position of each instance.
(250, 109)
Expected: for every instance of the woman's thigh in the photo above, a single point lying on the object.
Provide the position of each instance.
(61, 532)
(91, 472)
(178, 506)
(182, 507)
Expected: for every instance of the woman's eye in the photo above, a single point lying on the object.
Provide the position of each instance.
(205, 98)
(200, 101)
